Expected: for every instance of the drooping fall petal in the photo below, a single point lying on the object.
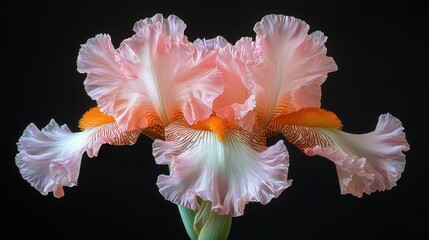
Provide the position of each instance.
(365, 163)
(224, 169)
(152, 76)
(50, 159)
(294, 65)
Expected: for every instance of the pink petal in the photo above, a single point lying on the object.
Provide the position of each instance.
(365, 162)
(294, 65)
(50, 159)
(159, 74)
(353, 178)
(227, 173)
(98, 58)
(238, 98)
(173, 27)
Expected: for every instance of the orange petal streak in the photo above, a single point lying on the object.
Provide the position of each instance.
(94, 118)
(309, 117)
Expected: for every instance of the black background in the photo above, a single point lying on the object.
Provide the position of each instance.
(381, 52)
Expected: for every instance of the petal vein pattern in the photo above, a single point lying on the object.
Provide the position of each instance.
(238, 97)
(293, 67)
(210, 106)
(153, 76)
(228, 173)
(50, 159)
(365, 163)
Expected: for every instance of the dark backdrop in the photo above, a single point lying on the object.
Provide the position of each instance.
(381, 53)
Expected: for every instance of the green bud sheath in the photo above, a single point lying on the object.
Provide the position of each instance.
(204, 224)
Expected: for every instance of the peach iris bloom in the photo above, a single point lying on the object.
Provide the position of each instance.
(210, 105)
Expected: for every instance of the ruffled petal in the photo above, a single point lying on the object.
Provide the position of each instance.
(365, 162)
(352, 176)
(293, 68)
(50, 159)
(173, 27)
(97, 58)
(159, 74)
(229, 173)
(238, 98)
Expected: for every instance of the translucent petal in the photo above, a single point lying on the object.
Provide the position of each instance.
(365, 163)
(228, 173)
(50, 159)
(238, 98)
(294, 65)
(152, 76)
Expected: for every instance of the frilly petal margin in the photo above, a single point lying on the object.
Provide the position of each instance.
(238, 98)
(50, 159)
(97, 58)
(173, 27)
(293, 68)
(132, 85)
(380, 152)
(365, 163)
(227, 173)
(352, 176)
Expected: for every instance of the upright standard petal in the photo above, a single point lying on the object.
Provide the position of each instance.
(97, 58)
(365, 162)
(294, 65)
(50, 159)
(238, 98)
(173, 27)
(225, 168)
(158, 74)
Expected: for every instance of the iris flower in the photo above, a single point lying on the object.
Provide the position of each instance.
(209, 107)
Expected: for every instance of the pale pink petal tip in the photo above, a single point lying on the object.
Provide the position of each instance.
(389, 162)
(228, 175)
(352, 176)
(173, 27)
(49, 159)
(368, 162)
